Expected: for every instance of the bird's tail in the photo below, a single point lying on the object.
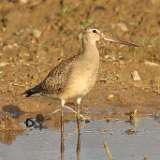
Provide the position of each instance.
(34, 90)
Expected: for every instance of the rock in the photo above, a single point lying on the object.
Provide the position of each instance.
(23, 1)
(155, 2)
(123, 26)
(110, 57)
(13, 110)
(3, 64)
(7, 123)
(36, 33)
(15, 45)
(110, 97)
(130, 131)
(121, 62)
(157, 117)
(135, 75)
(151, 64)
(40, 118)
(133, 119)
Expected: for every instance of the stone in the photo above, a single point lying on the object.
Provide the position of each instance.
(36, 33)
(135, 75)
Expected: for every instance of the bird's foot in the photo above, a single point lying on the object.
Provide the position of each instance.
(80, 116)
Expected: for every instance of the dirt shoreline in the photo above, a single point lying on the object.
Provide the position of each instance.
(35, 36)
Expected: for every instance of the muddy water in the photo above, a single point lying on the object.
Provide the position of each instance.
(44, 144)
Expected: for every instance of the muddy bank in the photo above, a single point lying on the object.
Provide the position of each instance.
(37, 35)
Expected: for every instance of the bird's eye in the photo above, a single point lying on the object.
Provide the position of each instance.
(94, 31)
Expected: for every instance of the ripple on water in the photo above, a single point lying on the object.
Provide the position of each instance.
(45, 144)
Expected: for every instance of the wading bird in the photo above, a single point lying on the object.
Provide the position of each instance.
(76, 76)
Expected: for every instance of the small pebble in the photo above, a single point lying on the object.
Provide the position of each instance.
(23, 1)
(87, 121)
(29, 122)
(7, 123)
(110, 97)
(151, 64)
(130, 131)
(108, 120)
(39, 118)
(110, 57)
(122, 26)
(135, 75)
(3, 64)
(13, 110)
(36, 33)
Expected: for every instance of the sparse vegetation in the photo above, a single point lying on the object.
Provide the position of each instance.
(35, 35)
(39, 39)
(108, 152)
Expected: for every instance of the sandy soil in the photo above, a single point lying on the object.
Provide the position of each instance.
(36, 35)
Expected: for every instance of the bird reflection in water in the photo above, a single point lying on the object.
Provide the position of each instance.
(78, 145)
(78, 149)
(62, 137)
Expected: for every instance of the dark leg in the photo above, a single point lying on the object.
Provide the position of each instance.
(62, 130)
(78, 149)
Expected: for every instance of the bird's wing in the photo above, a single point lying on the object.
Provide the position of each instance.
(57, 78)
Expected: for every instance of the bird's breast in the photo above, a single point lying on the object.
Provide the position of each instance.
(81, 80)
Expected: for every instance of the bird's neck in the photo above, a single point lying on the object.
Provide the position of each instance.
(91, 57)
(90, 49)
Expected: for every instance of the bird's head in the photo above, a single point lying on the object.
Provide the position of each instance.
(94, 35)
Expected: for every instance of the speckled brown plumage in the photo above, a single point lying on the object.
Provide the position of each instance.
(56, 80)
(74, 77)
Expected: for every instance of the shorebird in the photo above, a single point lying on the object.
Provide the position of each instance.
(76, 76)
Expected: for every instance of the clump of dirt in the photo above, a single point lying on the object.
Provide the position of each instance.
(13, 110)
(36, 35)
(7, 123)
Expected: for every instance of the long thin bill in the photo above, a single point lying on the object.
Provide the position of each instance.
(121, 42)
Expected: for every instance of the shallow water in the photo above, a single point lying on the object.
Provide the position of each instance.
(45, 144)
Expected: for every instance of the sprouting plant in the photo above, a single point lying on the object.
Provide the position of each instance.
(63, 8)
(108, 152)
(86, 22)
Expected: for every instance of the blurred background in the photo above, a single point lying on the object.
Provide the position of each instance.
(35, 35)
(124, 106)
